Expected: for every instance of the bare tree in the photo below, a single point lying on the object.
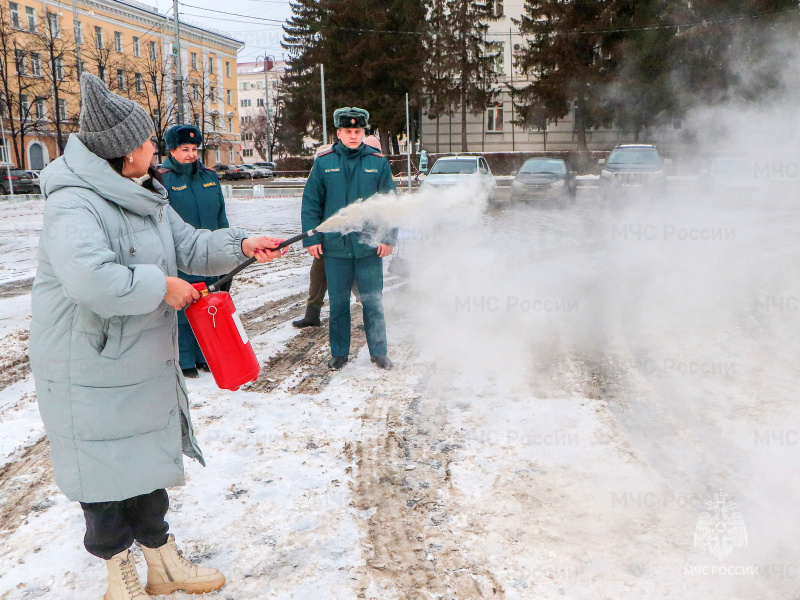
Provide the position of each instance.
(23, 92)
(58, 48)
(150, 78)
(202, 95)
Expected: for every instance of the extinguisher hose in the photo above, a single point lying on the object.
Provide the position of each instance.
(215, 287)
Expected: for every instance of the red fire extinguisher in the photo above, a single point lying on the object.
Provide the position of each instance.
(222, 338)
(220, 333)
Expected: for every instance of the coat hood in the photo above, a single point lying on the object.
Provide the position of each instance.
(79, 167)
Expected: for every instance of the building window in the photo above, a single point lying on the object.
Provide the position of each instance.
(78, 32)
(24, 103)
(30, 14)
(156, 116)
(154, 83)
(247, 137)
(101, 72)
(211, 65)
(153, 53)
(230, 96)
(120, 79)
(59, 69)
(245, 103)
(494, 117)
(136, 52)
(62, 109)
(195, 91)
(139, 82)
(230, 153)
(216, 155)
(14, 8)
(247, 152)
(212, 94)
(496, 6)
(497, 51)
(213, 122)
(260, 102)
(36, 64)
(54, 24)
(19, 59)
(118, 41)
(196, 120)
(98, 36)
(227, 69)
(194, 61)
(245, 120)
(230, 124)
(39, 108)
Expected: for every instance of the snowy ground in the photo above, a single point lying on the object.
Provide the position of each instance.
(572, 387)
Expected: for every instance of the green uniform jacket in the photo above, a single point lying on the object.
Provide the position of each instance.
(195, 194)
(329, 189)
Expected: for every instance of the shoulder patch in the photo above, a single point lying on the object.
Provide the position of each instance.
(163, 170)
(376, 152)
(210, 184)
(208, 168)
(323, 153)
(179, 188)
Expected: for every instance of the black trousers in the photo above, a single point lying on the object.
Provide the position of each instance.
(112, 527)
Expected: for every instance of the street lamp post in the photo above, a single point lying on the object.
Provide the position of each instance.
(266, 58)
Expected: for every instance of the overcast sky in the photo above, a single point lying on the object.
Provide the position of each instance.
(259, 36)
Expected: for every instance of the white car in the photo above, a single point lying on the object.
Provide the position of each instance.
(452, 170)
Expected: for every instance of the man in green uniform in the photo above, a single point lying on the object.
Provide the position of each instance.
(349, 172)
(195, 194)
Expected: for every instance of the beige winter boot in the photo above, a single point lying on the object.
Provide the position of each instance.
(123, 580)
(168, 571)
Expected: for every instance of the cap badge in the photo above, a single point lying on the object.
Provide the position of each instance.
(191, 134)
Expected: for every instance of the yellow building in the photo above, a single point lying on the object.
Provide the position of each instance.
(45, 44)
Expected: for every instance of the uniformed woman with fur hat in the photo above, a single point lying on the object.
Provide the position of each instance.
(195, 194)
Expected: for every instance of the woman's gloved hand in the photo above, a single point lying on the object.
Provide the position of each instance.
(260, 247)
(180, 293)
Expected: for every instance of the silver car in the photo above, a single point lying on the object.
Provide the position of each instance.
(452, 170)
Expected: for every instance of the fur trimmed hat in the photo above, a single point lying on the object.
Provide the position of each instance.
(182, 134)
(350, 116)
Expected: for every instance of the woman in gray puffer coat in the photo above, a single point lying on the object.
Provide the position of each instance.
(103, 342)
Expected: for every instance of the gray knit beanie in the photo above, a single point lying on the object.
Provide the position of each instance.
(110, 126)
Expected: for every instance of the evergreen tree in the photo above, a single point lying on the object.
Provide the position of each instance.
(568, 61)
(372, 53)
(472, 57)
(440, 88)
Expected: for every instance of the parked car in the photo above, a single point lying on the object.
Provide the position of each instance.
(229, 173)
(752, 176)
(452, 170)
(22, 181)
(544, 179)
(267, 165)
(255, 172)
(632, 168)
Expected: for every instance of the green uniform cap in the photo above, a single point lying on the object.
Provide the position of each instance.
(350, 116)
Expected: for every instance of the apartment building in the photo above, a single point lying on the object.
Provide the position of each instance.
(130, 46)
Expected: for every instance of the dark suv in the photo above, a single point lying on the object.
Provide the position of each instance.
(632, 168)
(22, 181)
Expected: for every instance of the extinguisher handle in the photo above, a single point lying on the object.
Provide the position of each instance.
(214, 287)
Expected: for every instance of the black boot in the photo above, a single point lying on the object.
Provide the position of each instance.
(204, 367)
(190, 373)
(310, 320)
(382, 362)
(337, 362)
